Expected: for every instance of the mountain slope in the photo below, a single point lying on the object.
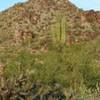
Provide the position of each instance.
(34, 19)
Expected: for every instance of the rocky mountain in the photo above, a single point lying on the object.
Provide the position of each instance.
(93, 17)
(34, 19)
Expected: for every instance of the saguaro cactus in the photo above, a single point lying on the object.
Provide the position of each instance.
(58, 29)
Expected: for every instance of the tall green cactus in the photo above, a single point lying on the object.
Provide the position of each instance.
(58, 29)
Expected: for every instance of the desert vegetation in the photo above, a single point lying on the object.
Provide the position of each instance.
(70, 72)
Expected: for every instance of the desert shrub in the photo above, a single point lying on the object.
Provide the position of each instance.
(74, 67)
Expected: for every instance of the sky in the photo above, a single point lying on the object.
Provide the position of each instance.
(84, 4)
(87, 4)
(5, 4)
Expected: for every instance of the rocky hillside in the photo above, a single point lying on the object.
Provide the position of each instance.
(35, 18)
(93, 17)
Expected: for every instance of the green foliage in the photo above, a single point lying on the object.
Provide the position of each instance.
(74, 68)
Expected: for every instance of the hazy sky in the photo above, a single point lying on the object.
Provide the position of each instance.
(85, 4)
(4, 4)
